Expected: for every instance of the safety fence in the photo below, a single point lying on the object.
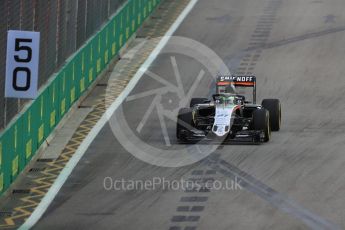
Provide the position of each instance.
(65, 25)
(22, 138)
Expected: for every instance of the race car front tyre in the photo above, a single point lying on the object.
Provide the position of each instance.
(196, 101)
(184, 121)
(274, 108)
(261, 121)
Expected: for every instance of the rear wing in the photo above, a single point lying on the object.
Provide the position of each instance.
(238, 81)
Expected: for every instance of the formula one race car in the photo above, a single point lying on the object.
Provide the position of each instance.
(229, 117)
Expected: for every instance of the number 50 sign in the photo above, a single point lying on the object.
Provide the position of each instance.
(22, 64)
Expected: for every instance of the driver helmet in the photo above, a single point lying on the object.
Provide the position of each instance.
(230, 100)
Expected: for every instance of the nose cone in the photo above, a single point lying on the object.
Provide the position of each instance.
(221, 130)
(222, 120)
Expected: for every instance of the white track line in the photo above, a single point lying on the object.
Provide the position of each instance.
(55, 188)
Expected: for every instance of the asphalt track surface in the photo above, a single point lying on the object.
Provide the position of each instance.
(296, 181)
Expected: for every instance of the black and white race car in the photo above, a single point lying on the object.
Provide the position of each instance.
(228, 116)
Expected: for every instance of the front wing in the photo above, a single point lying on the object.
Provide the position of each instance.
(244, 136)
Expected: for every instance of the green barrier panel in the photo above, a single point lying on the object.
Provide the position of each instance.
(96, 49)
(64, 88)
(131, 16)
(118, 22)
(2, 164)
(113, 36)
(5, 179)
(32, 115)
(44, 111)
(127, 22)
(145, 14)
(29, 133)
(38, 107)
(53, 103)
(122, 28)
(2, 180)
(108, 40)
(77, 74)
(69, 84)
(139, 13)
(102, 50)
(19, 143)
(13, 149)
(91, 62)
(149, 6)
(72, 76)
(83, 78)
(89, 70)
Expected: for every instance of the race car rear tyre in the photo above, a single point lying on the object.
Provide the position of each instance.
(196, 101)
(261, 121)
(274, 107)
(184, 121)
